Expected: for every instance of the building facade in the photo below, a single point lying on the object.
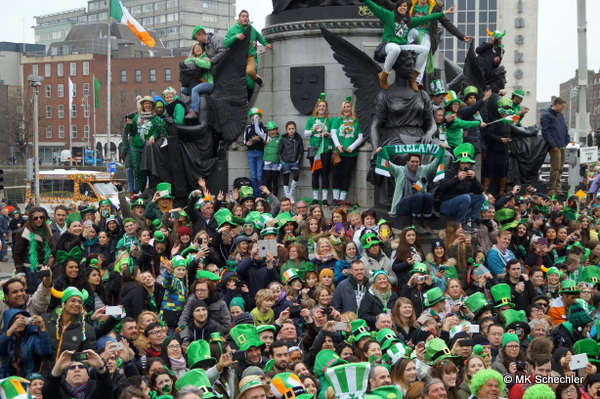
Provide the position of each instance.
(568, 91)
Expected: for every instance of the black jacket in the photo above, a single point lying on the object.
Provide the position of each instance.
(133, 298)
(486, 52)
(452, 187)
(416, 297)
(291, 148)
(99, 387)
(494, 134)
(371, 306)
(524, 299)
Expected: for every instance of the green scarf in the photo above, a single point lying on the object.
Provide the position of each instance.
(33, 253)
(382, 166)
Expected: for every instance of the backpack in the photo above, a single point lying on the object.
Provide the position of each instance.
(189, 74)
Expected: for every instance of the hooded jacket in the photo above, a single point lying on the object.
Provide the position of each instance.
(218, 311)
(33, 344)
(344, 296)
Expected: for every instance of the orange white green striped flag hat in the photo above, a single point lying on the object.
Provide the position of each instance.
(120, 13)
(14, 388)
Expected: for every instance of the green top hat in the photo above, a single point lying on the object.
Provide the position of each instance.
(286, 217)
(369, 239)
(255, 110)
(322, 97)
(501, 295)
(578, 316)
(359, 329)
(388, 392)
(436, 350)
(137, 202)
(516, 319)
(518, 93)
(434, 296)
(464, 152)
(386, 338)
(437, 87)
(568, 287)
(326, 358)
(245, 337)
(348, 99)
(289, 275)
(72, 217)
(68, 293)
(506, 338)
(198, 355)
(450, 98)
(419, 268)
(164, 190)
(246, 193)
(349, 381)
(504, 102)
(470, 90)
(506, 217)
(199, 379)
(262, 220)
(589, 347)
(271, 125)
(288, 386)
(591, 274)
(477, 303)
(159, 236)
(269, 230)
(398, 351)
(156, 223)
(223, 216)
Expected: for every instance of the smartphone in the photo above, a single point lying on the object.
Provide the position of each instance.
(113, 311)
(340, 326)
(239, 356)
(384, 233)
(578, 361)
(421, 345)
(339, 227)
(542, 241)
(442, 268)
(42, 273)
(118, 346)
(79, 356)
(465, 342)
(239, 284)
(295, 311)
(474, 328)
(481, 270)
(88, 223)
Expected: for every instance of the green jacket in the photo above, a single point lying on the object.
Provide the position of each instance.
(397, 172)
(152, 211)
(155, 127)
(315, 140)
(254, 35)
(347, 131)
(271, 151)
(392, 32)
(454, 132)
(202, 63)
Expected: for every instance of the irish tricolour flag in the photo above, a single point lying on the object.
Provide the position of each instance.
(318, 162)
(14, 388)
(510, 119)
(120, 13)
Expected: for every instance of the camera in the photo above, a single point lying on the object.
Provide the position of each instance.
(79, 356)
(521, 366)
(130, 115)
(420, 278)
(466, 169)
(28, 320)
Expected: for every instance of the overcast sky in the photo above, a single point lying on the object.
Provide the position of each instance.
(557, 34)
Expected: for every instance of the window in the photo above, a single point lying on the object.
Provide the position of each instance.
(60, 110)
(167, 74)
(173, 17)
(61, 131)
(86, 89)
(73, 131)
(48, 91)
(60, 90)
(19, 93)
(153, 75)
(73, 111)
(148, 7)
(152, 93)
(123, 75)
(47, 70)
(60, 69)
(173, 30)
(147, 21)
(136, 10)
(86, 131)
(159, 6)
(172, 3)
(92, 17)
(74, 90)
(86, 190)
(49, 132)
(35, 70)
(138, 93)
(209, 18)
(57, 188)
(213, 5)
(86, 68)
(86, 110)
(48, 111)
(72, 68)
(160, 19)
(138, 75)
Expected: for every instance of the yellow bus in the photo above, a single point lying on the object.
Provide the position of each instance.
(61, 186)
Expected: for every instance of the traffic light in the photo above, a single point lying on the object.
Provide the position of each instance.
(1, 179)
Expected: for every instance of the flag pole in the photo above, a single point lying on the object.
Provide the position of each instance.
(94, 119)
(108, 86)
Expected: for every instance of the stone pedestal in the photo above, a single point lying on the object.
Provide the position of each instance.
(297, 42)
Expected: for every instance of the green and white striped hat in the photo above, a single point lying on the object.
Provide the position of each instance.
(349, 381)
(398, 351)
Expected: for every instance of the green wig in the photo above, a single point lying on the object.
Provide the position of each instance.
(539, 391)
(482, 376)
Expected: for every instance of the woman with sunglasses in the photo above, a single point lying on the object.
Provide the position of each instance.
(35, 233)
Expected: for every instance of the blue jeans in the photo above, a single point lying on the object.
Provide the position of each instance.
(416, 205)
(463, 206)
(201, 88)
(130, 180)
(4, 250)
(255, 161)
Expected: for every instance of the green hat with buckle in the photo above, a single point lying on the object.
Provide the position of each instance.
(271, 125)
(359, 329)
(514, 319)
(325, 359)
(198, 355)
(506, 217)
(387, 392)
(369, 239)
(223, 216)
(589, 347)
(450, 98)
(252, 218)
(419, 268)
(434, 296)
(518, 93)
(477, 303)
(349, 381)
(164, 190)
(501, 295)
(386, 337)
(198, 379)
(437, 87)
(470, 91)
(568, 287)
(137, 202)
(437, 350)
(464, 152)
(286, 217)
(591, 274)
(245, 336)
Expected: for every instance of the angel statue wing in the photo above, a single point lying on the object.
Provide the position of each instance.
(362, 71)
(229, 99)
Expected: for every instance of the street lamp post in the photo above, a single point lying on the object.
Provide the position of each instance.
(86, 112)
(35, 82)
